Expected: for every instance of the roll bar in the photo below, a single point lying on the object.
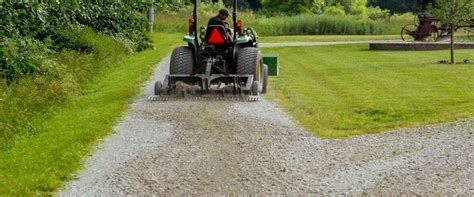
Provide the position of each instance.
(195, 18)
(234, 17)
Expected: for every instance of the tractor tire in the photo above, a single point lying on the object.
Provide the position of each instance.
(182, 61)
(250, 62)
(265, 78)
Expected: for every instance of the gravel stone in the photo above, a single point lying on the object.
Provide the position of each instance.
(224, 147)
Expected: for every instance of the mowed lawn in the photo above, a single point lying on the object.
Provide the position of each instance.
(345, 90)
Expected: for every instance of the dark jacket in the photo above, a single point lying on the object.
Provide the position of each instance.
(216, 20)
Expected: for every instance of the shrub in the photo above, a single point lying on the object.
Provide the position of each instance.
(334, 11)
(30, 30)
(44, 20)
(20, 57)
(116, 19)
(375, 13)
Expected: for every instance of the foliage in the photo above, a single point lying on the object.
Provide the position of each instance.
(246, 4)
(41, 26)
(395, 6)
(174, 5)
(42, 20)
(356, 7)
(20, 57)
(453, 12)
(401, 6)
(288, 7)
(116, 19)
(375, 13)
(171, 5)
(335, 11)
(423, 5)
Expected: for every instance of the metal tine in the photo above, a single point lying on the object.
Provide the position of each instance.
(206, 98)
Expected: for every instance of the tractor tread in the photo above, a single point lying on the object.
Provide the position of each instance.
(182, 61)
(248, 60)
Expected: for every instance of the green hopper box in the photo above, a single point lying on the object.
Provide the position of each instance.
(271, 60)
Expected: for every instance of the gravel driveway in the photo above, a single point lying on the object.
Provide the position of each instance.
(203, 147)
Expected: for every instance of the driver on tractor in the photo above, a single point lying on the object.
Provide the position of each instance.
(220, 21)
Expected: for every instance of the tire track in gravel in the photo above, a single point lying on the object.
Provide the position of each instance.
(203, 147)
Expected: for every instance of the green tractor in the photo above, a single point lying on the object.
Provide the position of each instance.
(211, 66)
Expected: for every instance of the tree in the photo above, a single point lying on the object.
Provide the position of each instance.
(453, 14)
(288, 7)
(350, 6)
(402, 6)
(395, 6)
(246, 4)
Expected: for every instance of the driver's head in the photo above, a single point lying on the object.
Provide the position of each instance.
(223, 13)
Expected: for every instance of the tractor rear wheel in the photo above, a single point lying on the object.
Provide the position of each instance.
(249, 62)
(182, 61)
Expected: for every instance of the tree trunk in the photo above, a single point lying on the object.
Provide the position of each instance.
(151, 16)
(452, 44)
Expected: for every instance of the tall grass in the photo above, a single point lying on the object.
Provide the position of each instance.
(318, 25)
(36, 95)
(397, 22)
(305, 24)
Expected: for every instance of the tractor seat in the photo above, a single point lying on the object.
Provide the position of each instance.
(216, 35)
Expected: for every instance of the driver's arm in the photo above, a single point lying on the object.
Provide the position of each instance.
(230, 31)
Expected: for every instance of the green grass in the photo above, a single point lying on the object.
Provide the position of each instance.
(39, 163)
(345, 90)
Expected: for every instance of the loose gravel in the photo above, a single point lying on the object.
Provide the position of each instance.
(204, 147)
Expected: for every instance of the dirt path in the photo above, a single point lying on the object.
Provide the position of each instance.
(202, 147)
